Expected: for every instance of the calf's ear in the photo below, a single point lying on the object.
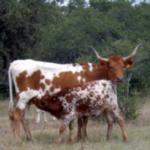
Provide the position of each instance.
(128, 62)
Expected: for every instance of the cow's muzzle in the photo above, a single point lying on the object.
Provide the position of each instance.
(120, 79)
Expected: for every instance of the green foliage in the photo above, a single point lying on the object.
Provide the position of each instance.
(128, 101)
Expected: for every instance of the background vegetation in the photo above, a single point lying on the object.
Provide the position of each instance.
(45, 31)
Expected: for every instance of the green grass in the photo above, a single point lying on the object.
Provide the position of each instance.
(138, 132)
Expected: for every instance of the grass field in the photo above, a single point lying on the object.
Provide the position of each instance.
(138, 132)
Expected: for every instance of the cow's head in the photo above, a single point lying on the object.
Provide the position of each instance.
(115, 65)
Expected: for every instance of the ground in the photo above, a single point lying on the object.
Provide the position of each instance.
(43, 134)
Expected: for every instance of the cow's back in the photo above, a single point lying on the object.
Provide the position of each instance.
(43, 77)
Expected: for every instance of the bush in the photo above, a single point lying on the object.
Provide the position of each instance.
(128, 101)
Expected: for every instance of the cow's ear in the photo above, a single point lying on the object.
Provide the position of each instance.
(128, 62)
(103, 63)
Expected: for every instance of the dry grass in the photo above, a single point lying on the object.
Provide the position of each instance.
(138, 131)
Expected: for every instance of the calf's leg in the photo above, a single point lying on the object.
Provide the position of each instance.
(85, 122)
(82, 128)
(71, 130)
(82, 124)
(79, 130)
(62, 129)
(110, 121)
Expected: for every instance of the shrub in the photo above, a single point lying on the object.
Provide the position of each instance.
(128, 101)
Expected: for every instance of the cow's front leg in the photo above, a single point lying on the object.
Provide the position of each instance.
(122, 126)
(121, 122)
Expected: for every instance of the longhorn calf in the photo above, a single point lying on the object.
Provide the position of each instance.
(90, 99)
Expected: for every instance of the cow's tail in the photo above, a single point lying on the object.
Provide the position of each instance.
(11, 103)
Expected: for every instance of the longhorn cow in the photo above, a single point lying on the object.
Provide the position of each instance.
(42, 80)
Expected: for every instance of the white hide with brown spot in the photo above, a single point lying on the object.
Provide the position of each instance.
(103, 94)
(48, 70)
(90, 67)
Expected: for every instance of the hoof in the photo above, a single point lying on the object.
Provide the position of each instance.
(125, 140)
(78, 138)
(71, 141)
(57, 141)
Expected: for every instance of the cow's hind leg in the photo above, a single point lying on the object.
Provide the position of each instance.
(25, 124)
(15, 118)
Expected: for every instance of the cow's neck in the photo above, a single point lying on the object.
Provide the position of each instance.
(96, 73)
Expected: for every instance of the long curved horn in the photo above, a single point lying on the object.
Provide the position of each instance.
(98, 56)
(133, 53)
